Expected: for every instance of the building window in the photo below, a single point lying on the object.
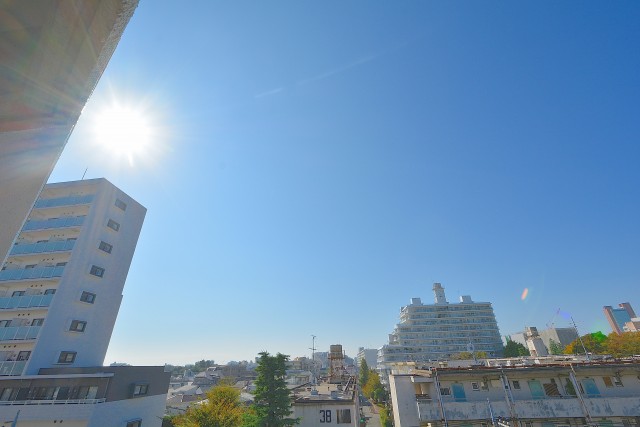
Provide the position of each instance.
(97, 271)
(343, 416)
(37, 322)
(49, 291)
(67, 357)
(607, 382)
(120, 204)
(134, 423)
(17, 293)
(5, 323)
(87, 297)
(140, 389)
(104, 246)
(516, 385)
(23, 355)
(113, 225)
(5, 394)
(61, 264)
(77, 326)
(475, 386)
(445, 391)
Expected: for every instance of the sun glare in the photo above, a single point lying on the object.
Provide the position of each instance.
(123, 131)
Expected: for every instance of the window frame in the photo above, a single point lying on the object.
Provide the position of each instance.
(95, 270)
(67, 357)
(77, 326)
(105, 247)
(120, 205)
(114, 225)
(140, 389)
(86, 300)
(134, 423)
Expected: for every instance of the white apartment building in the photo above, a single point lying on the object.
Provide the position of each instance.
(441, 330)
(551, 394)
(60, 292)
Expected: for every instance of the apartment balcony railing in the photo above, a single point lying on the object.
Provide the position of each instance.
(25, 301)
(12, 368)
(31, 273)
(44, 224)
(53, 402)
(63, 201)
(38, 248)
(13, 333)
(566, 407)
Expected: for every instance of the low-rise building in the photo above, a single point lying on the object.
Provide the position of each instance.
(558, 392)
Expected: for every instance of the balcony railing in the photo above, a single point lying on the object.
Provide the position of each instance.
(12, 333)
(53, 402)
(44, 224)
(63, 201)
(31, 273)
(38, 248)
(25, 301)
(12, 368)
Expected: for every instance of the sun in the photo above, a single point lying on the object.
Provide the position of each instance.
(123, 131)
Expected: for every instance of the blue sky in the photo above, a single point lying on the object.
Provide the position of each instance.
(317, 164)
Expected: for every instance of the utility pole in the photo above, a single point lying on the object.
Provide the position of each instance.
(313, 358)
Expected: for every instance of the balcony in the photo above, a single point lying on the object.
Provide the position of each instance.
(38, 248)
(567, 407)
(63, 201)
(12, 368)
(45, 224)
(31, 273)
(25, 301)
(16, 333)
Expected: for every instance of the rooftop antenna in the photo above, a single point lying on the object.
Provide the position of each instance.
(85, 172)
(580, 338)
(313, 358)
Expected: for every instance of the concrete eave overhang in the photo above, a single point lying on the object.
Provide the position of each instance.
(52, 54)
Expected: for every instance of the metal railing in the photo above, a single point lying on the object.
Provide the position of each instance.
(12, 367)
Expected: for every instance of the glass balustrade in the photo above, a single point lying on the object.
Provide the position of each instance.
(63, 201)
(53, 223)
(26, 301)
(31, 273)
(41, 247)
(11, 333)
(12, 368)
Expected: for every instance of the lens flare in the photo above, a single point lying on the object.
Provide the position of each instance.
(525, 293)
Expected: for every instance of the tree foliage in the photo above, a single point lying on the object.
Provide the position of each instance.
(515, 349)
(626, 344)
(467, 355)
(374, 389)
(595, 343)
(222, 408)
(272, 397)
(364, 373)
(555, 347)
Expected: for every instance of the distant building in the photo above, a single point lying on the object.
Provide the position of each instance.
(370, 355)
(618, 317)
(441, 330)
(561, 336)
(561, 393)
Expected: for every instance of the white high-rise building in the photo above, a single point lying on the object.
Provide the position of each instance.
(429, 332)
(60, 292)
